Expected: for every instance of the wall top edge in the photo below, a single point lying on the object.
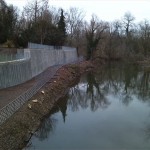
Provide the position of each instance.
(15, 61)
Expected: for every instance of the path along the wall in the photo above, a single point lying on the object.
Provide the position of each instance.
(33, 63)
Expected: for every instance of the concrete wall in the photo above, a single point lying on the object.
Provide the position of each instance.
(15, 72)
(34, 62)
(70, 55)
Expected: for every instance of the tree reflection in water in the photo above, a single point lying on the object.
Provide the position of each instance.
(127, 82)
(88, 94)
(46, 128)
(49, 123)
(124, 82)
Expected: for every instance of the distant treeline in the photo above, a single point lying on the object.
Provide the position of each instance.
(40, 23)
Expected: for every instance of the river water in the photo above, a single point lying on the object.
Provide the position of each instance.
(109, 109)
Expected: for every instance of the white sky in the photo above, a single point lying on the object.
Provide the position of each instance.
(107, 10)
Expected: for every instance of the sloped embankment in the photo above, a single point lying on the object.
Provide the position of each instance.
(17, 130)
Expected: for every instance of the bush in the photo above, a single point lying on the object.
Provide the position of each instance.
(9, 44)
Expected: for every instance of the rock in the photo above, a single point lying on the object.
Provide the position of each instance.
(29, 106)
(42, 92)
(35, 101)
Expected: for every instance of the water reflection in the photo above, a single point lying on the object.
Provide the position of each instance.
(97, 90)
(48, 125)
(46, 128)
(88, 94)
(124, 82)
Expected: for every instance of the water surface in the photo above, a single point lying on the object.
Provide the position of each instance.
(108, 109)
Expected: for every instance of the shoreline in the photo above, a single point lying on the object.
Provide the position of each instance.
(18, 129)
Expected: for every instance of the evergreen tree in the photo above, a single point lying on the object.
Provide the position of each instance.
(8, 19)
(3, 24)
(62, 29)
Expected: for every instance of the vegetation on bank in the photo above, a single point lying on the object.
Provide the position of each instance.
(41, 23)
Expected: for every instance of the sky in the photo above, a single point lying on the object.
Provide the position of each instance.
(107, 10)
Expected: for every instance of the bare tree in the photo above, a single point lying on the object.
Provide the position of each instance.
(128, 23)
(74, 19)
(54, 15)
(145, 36)
(117, 28)
(113, 41)
(38, 17)
(33, 9)
(44, 22)
(145, 29)
(94, 32)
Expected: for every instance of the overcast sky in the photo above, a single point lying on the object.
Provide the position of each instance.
(107, 10)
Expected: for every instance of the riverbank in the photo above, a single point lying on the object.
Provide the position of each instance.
(18, 129)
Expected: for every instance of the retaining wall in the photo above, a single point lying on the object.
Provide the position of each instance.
(34, 62)
(12, 73)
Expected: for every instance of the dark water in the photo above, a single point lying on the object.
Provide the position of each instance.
(108, 110)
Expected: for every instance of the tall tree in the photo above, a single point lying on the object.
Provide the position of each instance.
(33, 9)
(37, 18)
(8, 19)
(145, 36)
(3, 9)
(74, 19)
(62, 28)
(94, 32)
(128, 23)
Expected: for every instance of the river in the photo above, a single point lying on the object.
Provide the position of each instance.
(109, 109)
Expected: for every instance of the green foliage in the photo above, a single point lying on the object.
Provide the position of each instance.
(8, 19)
(62, 28)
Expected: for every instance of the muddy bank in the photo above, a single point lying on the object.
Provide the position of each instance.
(18, 129)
